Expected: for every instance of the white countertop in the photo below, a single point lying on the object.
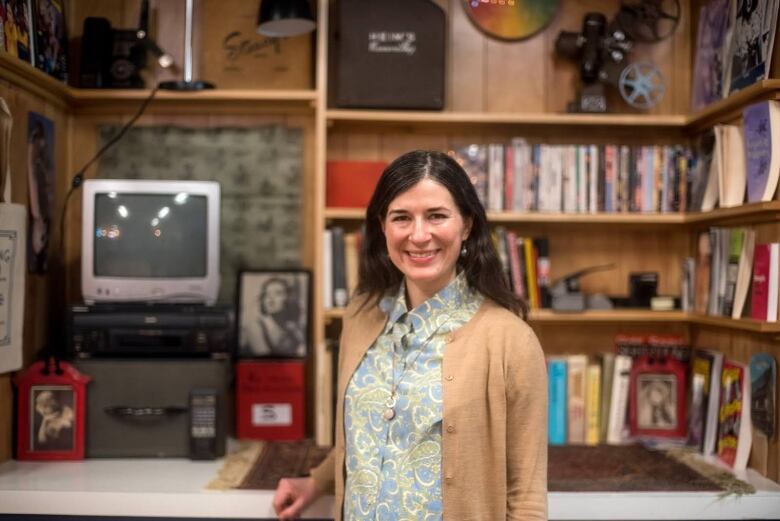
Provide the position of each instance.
(176, 488)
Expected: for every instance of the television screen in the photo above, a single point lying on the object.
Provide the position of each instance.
(154, 235)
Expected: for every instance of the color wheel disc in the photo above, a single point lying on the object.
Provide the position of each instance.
(511, 19)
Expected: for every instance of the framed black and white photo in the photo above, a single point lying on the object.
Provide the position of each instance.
(273, 313)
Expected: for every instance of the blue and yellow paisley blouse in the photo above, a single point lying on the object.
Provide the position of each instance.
(394, 465)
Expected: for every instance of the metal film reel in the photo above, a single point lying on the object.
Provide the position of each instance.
(641, 85)
(649, 21)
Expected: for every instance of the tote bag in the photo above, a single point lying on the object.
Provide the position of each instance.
(13, 252)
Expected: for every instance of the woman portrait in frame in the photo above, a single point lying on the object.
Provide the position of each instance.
(273, 313)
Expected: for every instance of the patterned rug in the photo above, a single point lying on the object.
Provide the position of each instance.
(571, 468)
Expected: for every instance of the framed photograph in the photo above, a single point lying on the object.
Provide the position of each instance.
(273, 313)
(658, 398)
(50, 412)
(51, 39)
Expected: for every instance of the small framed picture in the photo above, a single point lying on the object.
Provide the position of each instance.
(51, 415)
(658, 398)
(273, 313)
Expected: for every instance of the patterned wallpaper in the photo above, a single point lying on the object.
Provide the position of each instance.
(260, 171)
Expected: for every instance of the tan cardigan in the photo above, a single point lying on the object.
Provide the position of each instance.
(494, 427)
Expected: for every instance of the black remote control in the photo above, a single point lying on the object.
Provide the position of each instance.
(203, 424)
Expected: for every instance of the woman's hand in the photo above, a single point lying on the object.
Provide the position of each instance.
(293, 495)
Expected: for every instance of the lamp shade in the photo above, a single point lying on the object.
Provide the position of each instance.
(283, 18)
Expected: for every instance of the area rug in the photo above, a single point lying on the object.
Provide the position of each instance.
(571, 468)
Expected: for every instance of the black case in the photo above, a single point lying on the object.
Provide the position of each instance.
(140, 407)
(390, 54)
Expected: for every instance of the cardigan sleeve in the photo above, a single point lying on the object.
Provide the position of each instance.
(324, 474)
(526, 392)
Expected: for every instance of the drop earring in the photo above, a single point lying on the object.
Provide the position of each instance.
(463, 250)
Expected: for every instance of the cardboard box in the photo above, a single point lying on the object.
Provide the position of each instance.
(350, 184)
(234, 56)
(270, 400)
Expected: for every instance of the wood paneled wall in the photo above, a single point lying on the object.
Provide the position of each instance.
(37, 286)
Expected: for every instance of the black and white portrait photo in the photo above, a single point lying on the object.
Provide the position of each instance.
(656, 401)
(273, 314)
(53, 418)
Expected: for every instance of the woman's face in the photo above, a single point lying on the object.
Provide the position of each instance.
(424, 231)
(274, 297)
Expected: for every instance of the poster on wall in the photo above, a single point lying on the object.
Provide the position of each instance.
(13, 233)
(40, 187)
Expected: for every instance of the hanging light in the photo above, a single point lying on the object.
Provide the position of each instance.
(284, 18)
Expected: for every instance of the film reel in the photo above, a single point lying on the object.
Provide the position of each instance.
(641, 85)
(649, 21)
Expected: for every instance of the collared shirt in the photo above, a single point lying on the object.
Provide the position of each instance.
(394, 466)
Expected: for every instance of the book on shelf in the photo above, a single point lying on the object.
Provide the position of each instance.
(576, 366)
(338, 265)
(764, 289)
(712, 40)
(703, 192)
(744, 271)
(734, 427)
(762, 149)
(607, 362)
(705, 399)
(518, 176)
(495, 173)
(352, 260)
(763, 395)
(750, 50)
(557, 414)
(730, 165)
(763, 381)
(736, 239)
(516, 271)
(592, 402)
(687, 293)
(617, 432)
(541, 247)
(474, 160)
(327, 268)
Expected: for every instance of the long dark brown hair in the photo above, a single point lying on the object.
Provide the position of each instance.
(377, 274)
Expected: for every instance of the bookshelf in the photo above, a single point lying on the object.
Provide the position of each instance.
(473, 116)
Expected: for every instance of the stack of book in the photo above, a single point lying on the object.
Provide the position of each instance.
(525, 177)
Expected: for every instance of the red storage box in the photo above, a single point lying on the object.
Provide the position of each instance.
(350, 184)
(270, 402)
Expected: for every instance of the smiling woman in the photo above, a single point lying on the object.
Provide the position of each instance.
(424, 232)
(433, 329)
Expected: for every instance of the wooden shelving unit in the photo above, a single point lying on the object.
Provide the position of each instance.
(336, 116)
(731, 108)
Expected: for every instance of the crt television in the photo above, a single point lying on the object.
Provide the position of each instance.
(150, 241)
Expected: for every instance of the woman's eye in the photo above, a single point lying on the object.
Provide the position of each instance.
(438, 216)
(399, 218)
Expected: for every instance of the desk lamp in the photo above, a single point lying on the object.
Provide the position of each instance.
(284, 18)
(187, 84)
